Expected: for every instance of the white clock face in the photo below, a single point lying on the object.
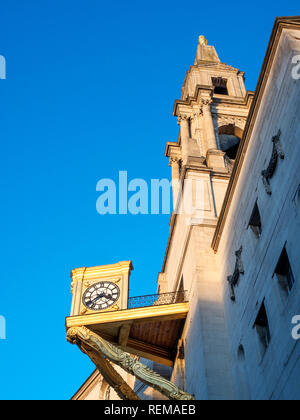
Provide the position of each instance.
(101, 296)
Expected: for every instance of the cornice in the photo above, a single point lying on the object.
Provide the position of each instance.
(86, 273)
(178, 310)
(198, 90)
(217, 99)
(172, 149)
(230, 100)
(213, 66)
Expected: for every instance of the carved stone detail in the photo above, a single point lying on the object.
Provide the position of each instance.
(206, 102)
(84, 337)
(174, 161)
(239, 122)
(109, 373)
(277, 152)
(238, 270)
(229, 163)
(183, 117)
(197, 113)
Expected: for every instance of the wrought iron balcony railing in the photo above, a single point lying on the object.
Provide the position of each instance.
(157, 299)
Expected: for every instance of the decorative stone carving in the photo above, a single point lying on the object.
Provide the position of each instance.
(229, 163)
(109, 373)
(238, 270)
(227, 120)
(174, 161)
(86, 339)
(206, 102)
(232, 292)
(197, 113)
(183, 117)
(277, 152)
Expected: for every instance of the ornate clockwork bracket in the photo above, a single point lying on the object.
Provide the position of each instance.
(238, 270)
(100, 350)
(277, 152)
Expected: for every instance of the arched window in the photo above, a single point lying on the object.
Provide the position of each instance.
(230, 137)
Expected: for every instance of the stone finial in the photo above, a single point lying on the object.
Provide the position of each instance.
(202, 40)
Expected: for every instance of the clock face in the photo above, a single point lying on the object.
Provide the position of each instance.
(101, 296)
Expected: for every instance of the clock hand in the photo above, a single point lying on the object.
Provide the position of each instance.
(102, 295)
(108, 296)
(98, 297)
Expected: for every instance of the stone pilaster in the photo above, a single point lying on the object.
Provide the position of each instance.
(197, 125)
(174, 163)
(209, 124)
(183, 121)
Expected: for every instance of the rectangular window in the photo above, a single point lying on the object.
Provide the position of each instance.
(296, 198)
(255, 221)
(263, 330)
(284, 273)
(220, 85)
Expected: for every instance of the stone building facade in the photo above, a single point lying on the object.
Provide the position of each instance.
(237, 252)
(260, 217)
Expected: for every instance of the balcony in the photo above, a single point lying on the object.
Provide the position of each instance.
(149, 328)
(157, 300)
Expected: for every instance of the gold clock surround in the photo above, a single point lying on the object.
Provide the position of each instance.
(83, 278)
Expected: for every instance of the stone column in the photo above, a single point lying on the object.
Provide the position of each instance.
(183, 121)
(175, 165)
(209, 124)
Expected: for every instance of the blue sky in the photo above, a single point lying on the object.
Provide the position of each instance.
(89, 92)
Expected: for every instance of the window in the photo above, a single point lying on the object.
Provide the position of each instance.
(229, 137)
(296, 198)
(243, 389)
(284, 273)
(220, 85)
(263, 330)
(298, 194)
(232, 151)
(255, 221)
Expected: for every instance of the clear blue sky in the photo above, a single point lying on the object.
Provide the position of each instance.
(90, 90)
